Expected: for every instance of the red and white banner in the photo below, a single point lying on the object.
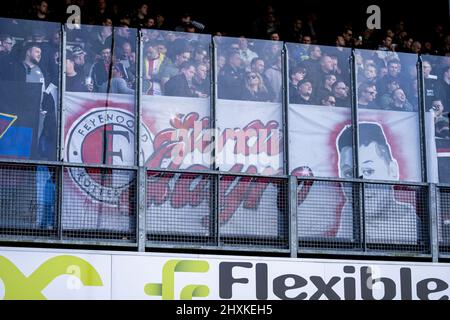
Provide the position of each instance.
(320, 142)
(248, 139)
(175, 134)
(314, 132)
(98, 128)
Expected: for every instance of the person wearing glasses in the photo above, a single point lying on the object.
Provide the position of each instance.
(341, 93)
(255, 89)
(328, 100)
(366, 96)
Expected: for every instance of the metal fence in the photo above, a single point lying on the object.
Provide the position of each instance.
(363, 217)
(444, 220)
(47, 202)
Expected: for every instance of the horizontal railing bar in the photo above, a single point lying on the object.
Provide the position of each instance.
(65, 164)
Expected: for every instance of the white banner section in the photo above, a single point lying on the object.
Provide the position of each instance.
(55, 274)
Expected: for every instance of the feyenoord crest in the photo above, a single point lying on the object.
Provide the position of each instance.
(104, 136)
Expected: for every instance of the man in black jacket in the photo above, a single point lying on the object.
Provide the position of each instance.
(181, 84)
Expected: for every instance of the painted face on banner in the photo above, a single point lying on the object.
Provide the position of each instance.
(373, 165)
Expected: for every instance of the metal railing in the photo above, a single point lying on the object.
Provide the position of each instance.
(44, 203)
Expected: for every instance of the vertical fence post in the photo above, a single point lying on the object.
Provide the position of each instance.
(421, 104)
(433, 220)
(215, 212)
(141, 171)
(60, 144)
(357, 188)
(137, 102)
(354, 113)
(142, 206)
(59, 199)
(293, 228)
(61, 94)
(285, 106)
(215, 187)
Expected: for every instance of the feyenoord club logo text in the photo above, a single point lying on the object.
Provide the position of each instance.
(104, 136)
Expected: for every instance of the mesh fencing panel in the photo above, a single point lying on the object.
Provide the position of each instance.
(253, 211)
(28, 201)
(396, 218)
(179, 208)
(328, 215)
(99, 204)
(444, 219)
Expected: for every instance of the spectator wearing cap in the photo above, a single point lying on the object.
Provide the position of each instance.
(74, 81)
(304, 92)
(77, 55)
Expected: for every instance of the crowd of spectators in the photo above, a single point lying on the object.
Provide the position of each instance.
(101, 57)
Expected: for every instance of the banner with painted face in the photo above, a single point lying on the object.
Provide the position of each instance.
(320, 140)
